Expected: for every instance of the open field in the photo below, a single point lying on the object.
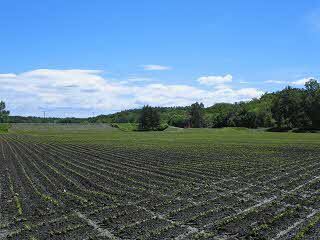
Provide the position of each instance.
(97, 182)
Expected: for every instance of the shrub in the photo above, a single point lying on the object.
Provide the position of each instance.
(4, 127)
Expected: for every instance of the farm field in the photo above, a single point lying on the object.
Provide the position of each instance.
(97, 182)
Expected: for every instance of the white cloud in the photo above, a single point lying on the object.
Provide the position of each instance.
(8, 75)
(302, 81)
(299, 82)
(215, 80)
(81, 92)
(248, 93)
(275, 81)
(152, 67)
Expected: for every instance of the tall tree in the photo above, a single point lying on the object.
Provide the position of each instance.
(287, 108)
(149, 118)
(196, 115)
(3, 112)
(312, 102)
(155, 118)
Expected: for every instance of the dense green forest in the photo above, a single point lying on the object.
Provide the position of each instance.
(286, 109)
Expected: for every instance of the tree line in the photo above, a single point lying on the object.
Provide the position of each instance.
(287, 109)
(290, 108)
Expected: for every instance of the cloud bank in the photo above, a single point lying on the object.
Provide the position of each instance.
(79, 92)
(302, 81)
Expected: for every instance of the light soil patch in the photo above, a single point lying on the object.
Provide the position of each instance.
(102, 232)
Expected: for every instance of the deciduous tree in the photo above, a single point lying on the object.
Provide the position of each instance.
(196, 115)
(3, 112)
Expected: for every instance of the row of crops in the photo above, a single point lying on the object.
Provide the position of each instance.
(98, 191)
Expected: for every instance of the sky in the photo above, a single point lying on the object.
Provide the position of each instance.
(83, 58)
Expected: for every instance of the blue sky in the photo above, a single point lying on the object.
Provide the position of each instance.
(72, 58)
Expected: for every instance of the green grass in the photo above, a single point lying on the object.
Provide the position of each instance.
(127, 127)
(172, 137)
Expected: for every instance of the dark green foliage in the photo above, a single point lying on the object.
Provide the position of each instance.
(312, 102)
(3, 113)
(196, 115)
(149, 118)
(288, 108)
(4, 127)
(247, 119)
(178, 121)
(131, 116)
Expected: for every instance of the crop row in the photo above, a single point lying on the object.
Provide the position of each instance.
(93, 190)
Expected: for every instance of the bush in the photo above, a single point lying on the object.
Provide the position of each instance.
(178, 121)
(4, 127)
